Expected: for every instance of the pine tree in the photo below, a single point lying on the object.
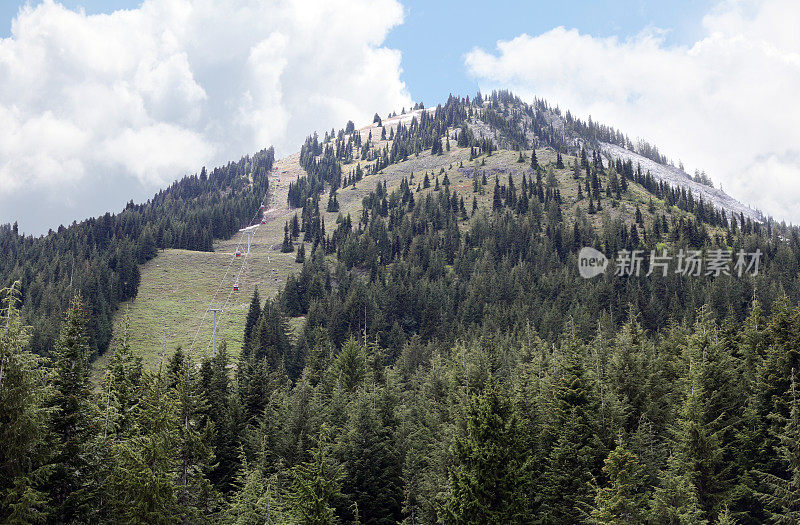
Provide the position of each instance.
(23, 419)
(783, 497)
(316, 485)
(74, 421)
(252, 321)
(625, 498)
(287, 246)
(373, 465)
(301, 253)
(490, 478)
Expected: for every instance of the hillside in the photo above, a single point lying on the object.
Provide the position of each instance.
(178, 286)
(436, 356)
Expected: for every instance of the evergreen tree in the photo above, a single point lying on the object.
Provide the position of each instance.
(625, 499)
(490, 478)
(252, 320)
(74, 418)
(23, 419)
(373, 466)
(783, 497)
(143, 484)
(287, 246)
(215, 412)
(316, 485)
(577, 452)
(675, 499)
(255, 500)
(195, 441)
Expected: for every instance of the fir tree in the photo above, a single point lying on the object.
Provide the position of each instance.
(23, 417)
(287, 246)
(373, 466)
(625, 498)
(489, 480)
(74, 421)
(316, 485)
(783, 497)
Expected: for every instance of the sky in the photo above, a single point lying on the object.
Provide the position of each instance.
(106, 101)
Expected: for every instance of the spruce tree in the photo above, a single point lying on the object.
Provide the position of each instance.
(252, 320)
(782, 497)
(144, 481)
(287, 246)
(317, 485)
(23, 419)
(373, 465)
(675, 499)
(577, 451)
(195, 442)
(625, 498)
(489, 481)
(75, 420)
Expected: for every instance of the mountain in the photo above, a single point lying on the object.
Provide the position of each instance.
(422, 346)
(179, 286)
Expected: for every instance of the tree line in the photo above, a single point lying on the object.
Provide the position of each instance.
(100, 257)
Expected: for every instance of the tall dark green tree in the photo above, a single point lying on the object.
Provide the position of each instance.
(373, 466)
(75, 421)
(317, 485)
(625, 498)
(490, 478)
(576, 455)
(23, 420)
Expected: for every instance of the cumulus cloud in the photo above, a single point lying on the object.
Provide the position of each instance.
(726, 103)
(137, 98)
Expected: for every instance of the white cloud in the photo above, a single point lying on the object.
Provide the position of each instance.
(152, 93)
(726, 103)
